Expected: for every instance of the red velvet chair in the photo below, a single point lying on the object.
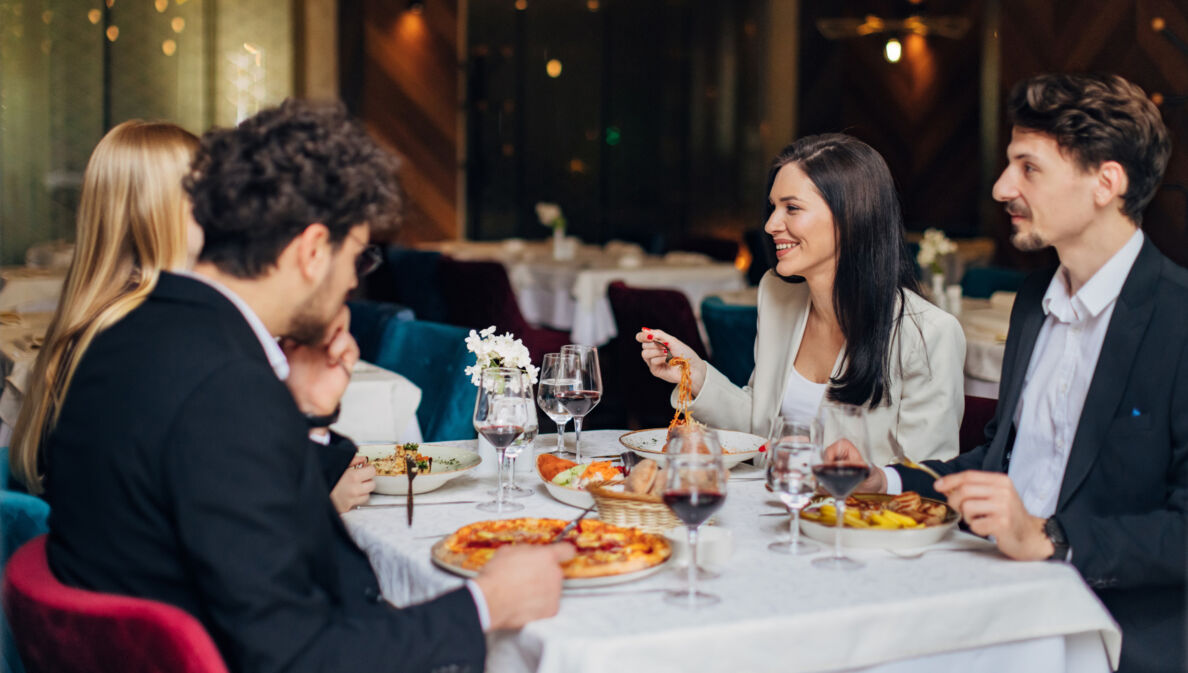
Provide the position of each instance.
(647, 397)
(60, 628)
(479, 294)
(978, 412)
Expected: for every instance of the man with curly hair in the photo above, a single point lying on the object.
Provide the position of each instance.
(187, 463)
(1086, 459)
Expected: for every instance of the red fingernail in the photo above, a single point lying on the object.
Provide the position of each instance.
(649, 336)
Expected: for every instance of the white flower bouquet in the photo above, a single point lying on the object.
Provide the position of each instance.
(492, 350)
(550, 216)
(933, 248)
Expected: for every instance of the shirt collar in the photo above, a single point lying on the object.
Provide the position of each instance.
(276, 356)
(1100, 291)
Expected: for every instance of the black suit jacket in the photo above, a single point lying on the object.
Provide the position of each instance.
(1124, 500)
(180, 471)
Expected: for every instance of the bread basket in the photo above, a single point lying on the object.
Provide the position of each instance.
(645, 512)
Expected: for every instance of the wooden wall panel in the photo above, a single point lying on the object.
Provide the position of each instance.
(1108, 36)
(403, 84)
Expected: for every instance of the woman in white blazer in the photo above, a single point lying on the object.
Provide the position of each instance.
(840, 321)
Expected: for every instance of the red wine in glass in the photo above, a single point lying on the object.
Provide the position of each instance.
(693, 507)
(841, 480)
(501, 436)
(578, 402)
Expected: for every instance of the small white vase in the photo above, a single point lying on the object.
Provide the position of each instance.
(937, 289)
(559, 247)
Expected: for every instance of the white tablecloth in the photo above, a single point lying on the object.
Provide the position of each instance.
(571, 294)
(30, 290)
(985, 322)
(379, 406)
(945, 611)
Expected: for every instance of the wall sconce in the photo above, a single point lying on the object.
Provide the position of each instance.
(893, 50)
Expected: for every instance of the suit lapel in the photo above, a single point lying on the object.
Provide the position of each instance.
(1127, 325)
(1027, 318)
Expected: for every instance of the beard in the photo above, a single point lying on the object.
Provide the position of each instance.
(309, 325)
(1027, 241)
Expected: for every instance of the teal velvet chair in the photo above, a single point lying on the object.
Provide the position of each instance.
(731, 330)
(980, 282)
(22, 518)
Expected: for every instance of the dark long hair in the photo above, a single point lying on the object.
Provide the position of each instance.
(873, 266)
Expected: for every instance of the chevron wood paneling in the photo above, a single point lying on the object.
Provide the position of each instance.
(921, 114)
(1109, 36)
(406, 94)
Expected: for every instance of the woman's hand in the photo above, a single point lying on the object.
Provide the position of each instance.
(355, 485)
(655, 355)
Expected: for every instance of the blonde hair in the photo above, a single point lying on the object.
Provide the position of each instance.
(132, 224)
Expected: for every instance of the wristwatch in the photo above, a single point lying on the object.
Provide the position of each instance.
(1055, 533)
(324, 421)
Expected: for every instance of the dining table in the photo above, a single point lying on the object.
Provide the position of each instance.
(958, 605)
(29, 289)
(571, 294)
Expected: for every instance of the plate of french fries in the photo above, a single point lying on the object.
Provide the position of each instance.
(904, 521)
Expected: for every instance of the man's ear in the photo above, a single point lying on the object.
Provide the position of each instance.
(310, 251)
(1112, 183)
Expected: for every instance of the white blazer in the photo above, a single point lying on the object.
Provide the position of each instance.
(926, 397)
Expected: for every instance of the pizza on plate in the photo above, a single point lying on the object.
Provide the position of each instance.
(603, 549)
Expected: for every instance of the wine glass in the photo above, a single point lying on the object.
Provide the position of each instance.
(694, 488)
(581, 401)
(553, 379)
(843, 463)
(790, 454)
(526, 441)
(500, 415)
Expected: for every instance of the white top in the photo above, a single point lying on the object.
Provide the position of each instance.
(802, 397)
(1062, 366)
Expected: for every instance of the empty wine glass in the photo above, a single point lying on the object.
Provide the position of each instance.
(694, 488)
(581, 401)
(553, 379)
(790, 454)
(843, 464)
(500, 415)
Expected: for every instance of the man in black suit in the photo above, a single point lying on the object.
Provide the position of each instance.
(1086, 459)
(186, 464)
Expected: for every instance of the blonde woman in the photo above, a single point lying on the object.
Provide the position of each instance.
(134, 221)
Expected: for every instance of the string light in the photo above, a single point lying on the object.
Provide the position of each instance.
(94, 16)
(178, 24)
(553, 68)
(113, 33)
(169, 47)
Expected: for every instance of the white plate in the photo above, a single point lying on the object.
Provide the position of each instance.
(736, 446)
(466, 460)
(575, 497)
(575, 583)
(903, 538)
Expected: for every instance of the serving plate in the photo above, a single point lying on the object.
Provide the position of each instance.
(901, 538)
(448, 462)
(574, 497)
(736, 446)
(574, 583)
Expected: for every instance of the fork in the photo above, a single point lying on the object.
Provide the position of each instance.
(572, 524)
(897, 449)
(410, 466)
(667, 351)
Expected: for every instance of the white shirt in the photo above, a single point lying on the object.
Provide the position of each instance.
(1058, 377)
(1057, 380)
(280, 365)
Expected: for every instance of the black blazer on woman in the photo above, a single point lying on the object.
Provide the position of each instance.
(1124, 500)
(180, 471)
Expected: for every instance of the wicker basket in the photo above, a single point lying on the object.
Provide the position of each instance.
(645, 512)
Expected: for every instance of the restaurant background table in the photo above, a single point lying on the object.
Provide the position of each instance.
(29, 289)
(571, 294)
(971, 611)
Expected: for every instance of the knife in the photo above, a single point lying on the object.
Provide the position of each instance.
(573, 524)
(410, 465)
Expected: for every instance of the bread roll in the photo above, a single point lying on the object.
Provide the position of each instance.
(641, 477)
(658, 484)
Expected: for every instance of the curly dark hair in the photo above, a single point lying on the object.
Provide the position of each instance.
(1098, 118)
(257, 186)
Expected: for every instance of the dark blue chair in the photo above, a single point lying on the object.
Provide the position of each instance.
(22, 518)
(731, 330)
(429, 354)
(980, 282)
